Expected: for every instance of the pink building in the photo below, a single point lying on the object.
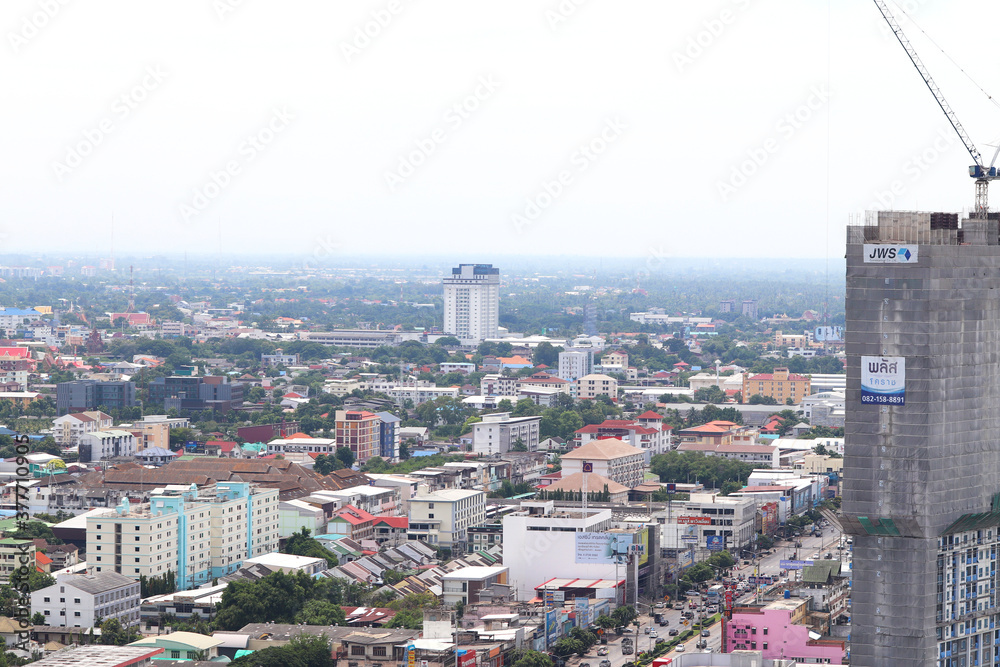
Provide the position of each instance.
(778, 631)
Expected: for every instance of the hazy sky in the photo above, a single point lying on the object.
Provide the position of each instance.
(650, 128)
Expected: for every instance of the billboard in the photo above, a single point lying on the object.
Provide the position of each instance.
(551, 626)
(466, 658)
(699, 520)
(794, 564)
(713, 542)
(890, 254)
(883, 380)
(824, 334)
(611, 548)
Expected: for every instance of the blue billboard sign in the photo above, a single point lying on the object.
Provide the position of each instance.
(714, 542)
(794, 564)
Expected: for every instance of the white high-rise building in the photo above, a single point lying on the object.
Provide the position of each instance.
(472, 302)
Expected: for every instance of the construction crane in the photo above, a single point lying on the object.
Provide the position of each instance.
(978, 171)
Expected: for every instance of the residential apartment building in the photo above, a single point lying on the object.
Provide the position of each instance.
(81, 600)
(196, 534)
(279, 359)
(610, 458)
(14, 554)
(576, 363)
(361, 431)
(444, 517)
(762, 455)
(389, 432)
(472, 303)
(778, 630)
(104, 445)
(646, 432)
(68, 429)
(594, 385)
(183, 392)
(718, 432)
(87, 395)
(499, 433)
(781, 385)
(149, 434)
(466, 584)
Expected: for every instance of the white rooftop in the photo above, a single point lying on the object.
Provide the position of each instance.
(474, 572)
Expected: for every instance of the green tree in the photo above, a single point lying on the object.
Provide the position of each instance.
(321, 612)
(301, 544)
(567, 646)
(302, 651)
(710, 395)
(345, 456)
(729, 487)
(179, 436)
(758, 399)
(114, 634)
(527, 658)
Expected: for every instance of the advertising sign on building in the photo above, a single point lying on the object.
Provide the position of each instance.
(879, 253)
(828, 334)
(602, 548)
(551, 626)
(411, 655)
(794, 564)
(700, 520)
(713, 542)
(466, 658)
(883, 380)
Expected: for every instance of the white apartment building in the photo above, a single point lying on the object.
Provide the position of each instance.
(576, 363)
(593, 385)
(108, 444)
(196, 534)
(68, 429)
(608, 457)
(443, 518)
(420, 394)
(376, 500)
(542, 542)
(498, 433)
(80, 600)
(688, 524)
(302, 446)
(472, 303)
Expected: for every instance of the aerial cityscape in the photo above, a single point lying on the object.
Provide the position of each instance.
(561, 334)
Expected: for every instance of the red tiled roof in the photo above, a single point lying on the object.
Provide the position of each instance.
(19, 352)
(295, 436)
(649, 414)
(393, 521)
(353, 515)
(42, 559)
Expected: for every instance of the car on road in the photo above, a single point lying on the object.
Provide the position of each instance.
(647, 629)
(702, 644)
(706, 633)
(664, 622)
(652, 633)
(605, 663)
(680, 648)
(660, 605)
(602, 650)
(673, 632)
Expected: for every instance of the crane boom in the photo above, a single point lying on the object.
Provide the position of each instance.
(929, 80)
(982, 174)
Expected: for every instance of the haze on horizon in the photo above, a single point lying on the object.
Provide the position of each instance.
(735, 128)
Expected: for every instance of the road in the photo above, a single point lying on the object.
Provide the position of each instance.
(768, 566)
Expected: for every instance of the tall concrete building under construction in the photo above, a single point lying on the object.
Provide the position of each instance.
(922, 458)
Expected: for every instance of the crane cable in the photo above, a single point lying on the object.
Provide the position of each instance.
(960, 68)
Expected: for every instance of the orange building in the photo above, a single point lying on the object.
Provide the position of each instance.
(360, 431)
(779, 385)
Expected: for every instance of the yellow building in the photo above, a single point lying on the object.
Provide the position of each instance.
(593, 385)
(779, 385)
